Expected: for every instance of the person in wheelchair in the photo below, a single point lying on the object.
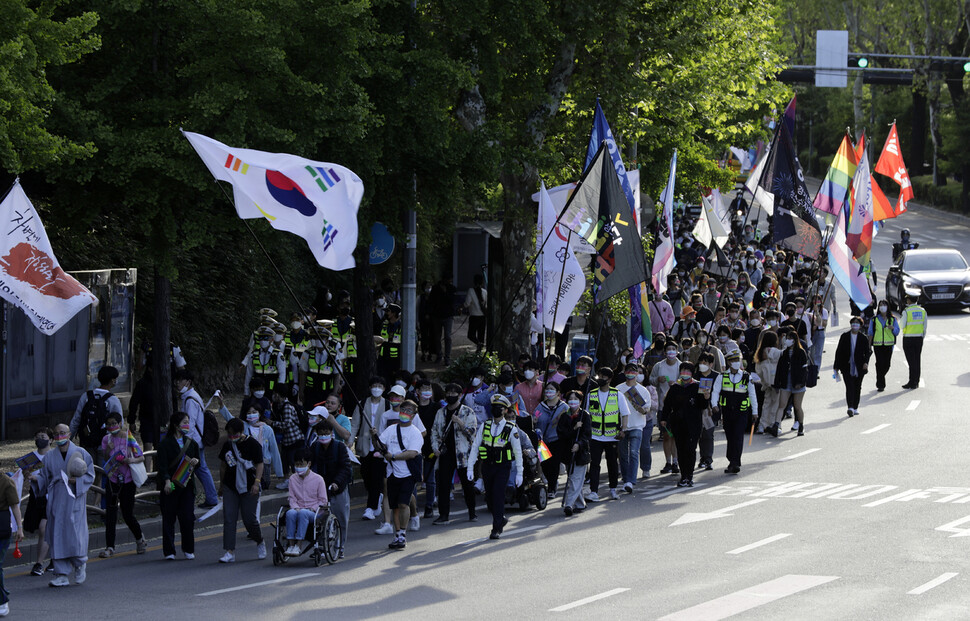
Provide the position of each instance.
(307, 492)
(331, 460)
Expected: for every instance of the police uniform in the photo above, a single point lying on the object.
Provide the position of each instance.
(318, 370)
(737, 401)
(267, 362)
(606, 409)
(497, 446)
(882, 335)
(389, 354)
(913, 329)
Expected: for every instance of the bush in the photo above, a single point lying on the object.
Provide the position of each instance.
(459, 371)
(946, 197)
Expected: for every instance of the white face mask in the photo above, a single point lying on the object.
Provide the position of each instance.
(259, 393)
(376, 391)
(476, 382)
(703, 368)
(296, 325)
(735, 366)
(264, 344)
(507, 390)
(277, 338)
(639, 377)
(529, 374)
(183, 390)
(789, 343)
(755, 323)
(252, 419)
(773, 323)
(426, 394)
(883, 308)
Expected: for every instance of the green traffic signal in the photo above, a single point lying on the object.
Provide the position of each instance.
(863, 62)
(966, 67)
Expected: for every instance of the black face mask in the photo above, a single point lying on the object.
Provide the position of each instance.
(42, 443)
(603, 382)
(451, 399)
(498, 411)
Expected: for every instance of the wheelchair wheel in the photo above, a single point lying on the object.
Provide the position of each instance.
(523, 502)
(317, 557)
(540, 498)
(278, 558)
(329, 540)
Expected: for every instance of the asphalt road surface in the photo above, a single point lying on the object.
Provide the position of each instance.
(862, 518)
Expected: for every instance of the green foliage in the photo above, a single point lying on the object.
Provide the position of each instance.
(946, 197)
(32, 41)
(459, 371)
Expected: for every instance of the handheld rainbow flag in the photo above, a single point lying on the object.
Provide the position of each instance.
(133, 445)
(544, 452)
(183, 472)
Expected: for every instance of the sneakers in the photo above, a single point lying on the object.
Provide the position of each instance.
(81, 573)
(261, 550)
(384, 529)
(141, 546)
(674, 469)
(441, 521)
(4, 610)
(285, 484)
(107, 553)
(592, 497)
(170, 557)
(60, 581)
(37, 570)
(795, 426)
(340, 553)
(228, 557)
(369, 514)
(666, 469)
(615, 493)
(472, 518)
(399, 542)
(568, 510)
(706, 466)
(644, 474)
(189, 556)
(774, 429)
(628, 488)
(760, 430)
(414, 524)
(682, 483)
(293, 550)
(849, 412)
(495, 535)
(480, 486)
(428, 513)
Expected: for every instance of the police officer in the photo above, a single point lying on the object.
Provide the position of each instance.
(914, 329)
(389, 341)
(735, 398)
(497, 445)
(318, 369)
(903, 243)
(608, 413)
(266, 360)
(883, 330)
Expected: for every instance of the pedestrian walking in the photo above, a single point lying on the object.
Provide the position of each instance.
(35, 516)
(9, 503)
(883, 330)
(241, 471)
(331, 460)
(682, 416)
(639, 404)
(766, 365)
(177, 457)
(452, 435)
(790, 377)
(852, 361)
(497, 445)
(575, 433)
(190, 402)
(402, 450)
(119, 451)
(734, 398)
(608, 413)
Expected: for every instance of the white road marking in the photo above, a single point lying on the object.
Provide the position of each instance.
(746, 599)
(256, 584)
(669, 492)
(922, 383)
(758, 544)
(802, 454)
(912, 406)
(935, 582)
(876, 428)
(689, 518)
(511, 531)
(899, 496)
(952, 527)
(588, 600)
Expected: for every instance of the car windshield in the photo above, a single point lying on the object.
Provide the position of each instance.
(934, 262)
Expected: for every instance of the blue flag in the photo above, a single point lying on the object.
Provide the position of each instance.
(640, 331)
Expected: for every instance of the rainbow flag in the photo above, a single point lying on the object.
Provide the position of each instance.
(832, 195)
(183, 472)
(858, 231)
(544, 452)
(133, 445)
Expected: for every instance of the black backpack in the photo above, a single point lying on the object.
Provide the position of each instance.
(210, 426)
(93, 415)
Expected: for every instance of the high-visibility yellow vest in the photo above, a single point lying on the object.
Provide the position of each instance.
(735, 396)
(269, 372)
(496, 449)
(883, 334)
(391, 348)
(319, 376)
(606, 420)
(915, 320)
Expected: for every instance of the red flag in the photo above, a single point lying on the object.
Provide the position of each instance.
(891, 164)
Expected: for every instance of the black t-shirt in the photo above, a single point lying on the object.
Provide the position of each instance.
(250, 450)
(427, 414)
(572, 383)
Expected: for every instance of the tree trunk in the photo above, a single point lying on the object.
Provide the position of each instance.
(161, 343)
(518, 286)
(363, 324)
(917, 141)
(933, 98)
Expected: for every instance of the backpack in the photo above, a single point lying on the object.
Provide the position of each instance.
(210, 426)
(93, 415)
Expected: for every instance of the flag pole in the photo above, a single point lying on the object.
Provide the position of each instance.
(303, 312)
(555, 307)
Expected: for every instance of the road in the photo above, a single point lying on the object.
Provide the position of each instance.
(862, 518)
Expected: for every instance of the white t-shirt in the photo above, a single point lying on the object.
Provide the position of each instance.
(636, 420)
(391, 415)
(413, 441)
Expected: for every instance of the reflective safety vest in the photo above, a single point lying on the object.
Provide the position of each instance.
(349, 342)
(269, 371)
(883, 334)
(391, 348)
(915, 320)
(606, 420)
(733, 396)
(496, 449)
(319, 376)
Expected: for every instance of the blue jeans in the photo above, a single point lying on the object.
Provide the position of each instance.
(297, 521)
(818, 344)
(205, 477)
(646, 459)
(429, 483)
(630, 455)
(4, 544)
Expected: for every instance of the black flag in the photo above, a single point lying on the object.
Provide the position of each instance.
(794, 221)
(619, 262)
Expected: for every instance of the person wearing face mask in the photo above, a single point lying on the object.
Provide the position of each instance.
(497, 446)
(307, 493)
(662, 376)
(427, 410)
(706, 377)
(402, 450)
(734, 398)
(257, 399)
(790, 377)
(725, 344)
(318, 367)
(397, 396)
(553, 372)
(681, 416)
(118, 450)
(389, 342)
(266, 361)
(92, 408)
(547, 421)
(766, 364)
(662, 315)
(190, 402)
(330, 459)
(67, 513)
(704, 346)
(241, 471)
(263, 434)
(639, 418)
(581, 381)
(177, 497)
(475, 388)
(35, 516)
(531, 389)
(451, 439)
(609, 414)
(686, 326)
(574, 430)
(852, 361)
(883, 330)
(733, 319)
(367, 419)
(913, 326)
(796, 322)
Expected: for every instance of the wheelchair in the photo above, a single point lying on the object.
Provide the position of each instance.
(322, 541)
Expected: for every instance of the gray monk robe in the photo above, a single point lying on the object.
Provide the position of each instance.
(67, 516)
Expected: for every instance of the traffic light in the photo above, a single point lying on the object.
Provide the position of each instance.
(858, 60)
(966, 67)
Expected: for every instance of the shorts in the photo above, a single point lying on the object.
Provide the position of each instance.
(399, 491)
(35, 512)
